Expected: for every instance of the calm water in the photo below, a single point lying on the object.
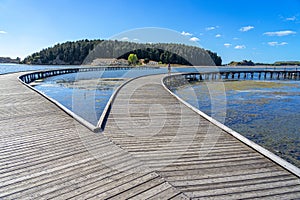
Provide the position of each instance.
(11, 68)
(87, 93)
(266, 112)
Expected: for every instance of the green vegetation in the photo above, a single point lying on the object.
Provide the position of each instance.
(68, 53)
(146, 60)
(132, 59)
(9, 60)
(160, 52)
(214, 56)
(281, 63)
(85, 51)
(242, 63)
(278, 63)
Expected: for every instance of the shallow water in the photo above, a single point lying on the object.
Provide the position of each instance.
(265, 112)
(87, 93)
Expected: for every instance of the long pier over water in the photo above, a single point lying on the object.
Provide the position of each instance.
(239, 75)
(246, 74)
(153, 146)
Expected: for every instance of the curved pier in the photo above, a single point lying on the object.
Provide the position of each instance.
(183, 78)
(244, 75)
(202, 159)
(153, 147)
(30, 77)
(46, 154)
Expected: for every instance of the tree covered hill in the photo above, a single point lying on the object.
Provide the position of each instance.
(85, 51)
(250, 63)
(9, 60)
(68, 53)
(242, 63)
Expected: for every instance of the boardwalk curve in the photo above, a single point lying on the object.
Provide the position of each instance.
(173, 146)
(153, 147)
(43, 155)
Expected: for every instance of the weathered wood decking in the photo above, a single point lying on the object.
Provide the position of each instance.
(46, 154)
(177, 154)
(189, 152)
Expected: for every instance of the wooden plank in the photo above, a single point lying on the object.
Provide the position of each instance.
(252, 191)
(146, 186)
(153, 192)
(166, 194)
(227, 162)
(43, 153)
(116, 186)
(182, 155)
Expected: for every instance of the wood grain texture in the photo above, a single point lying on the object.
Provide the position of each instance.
(153, 147)
(47, 154)
(192, 154)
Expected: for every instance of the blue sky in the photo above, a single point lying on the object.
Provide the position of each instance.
(262, 31)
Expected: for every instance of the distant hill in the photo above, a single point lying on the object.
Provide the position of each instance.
(9, 60)
(85, 51)
(282, 63)
(68, 53)
(278, 63)
(242, 63)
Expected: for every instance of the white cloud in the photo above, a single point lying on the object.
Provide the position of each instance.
(227, 45)
(236, 38)
(3, 32)
(125, 39)
(194, 39)
(135, 40)
(246, 28)
(280, 33)
(186, 33)
(277, 43)
(291, 18)
(211, 28)
(218, 35)
(240, 47)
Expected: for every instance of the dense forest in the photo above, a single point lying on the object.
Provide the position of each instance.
(68, 53)
(85, 51)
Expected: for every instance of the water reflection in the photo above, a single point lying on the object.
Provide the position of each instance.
(87, 93)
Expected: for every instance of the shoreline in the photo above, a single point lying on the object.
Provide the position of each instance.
(165, 66)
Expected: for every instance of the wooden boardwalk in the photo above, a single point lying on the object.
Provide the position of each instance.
(168, 153)
(194, 156)
(45, 154)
